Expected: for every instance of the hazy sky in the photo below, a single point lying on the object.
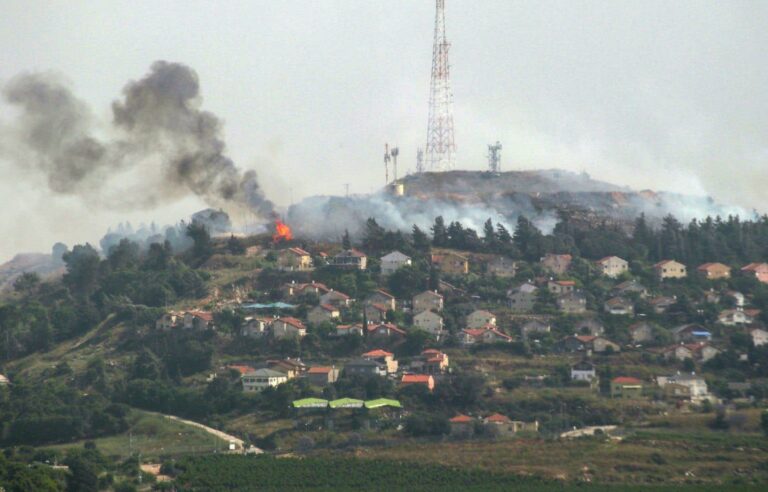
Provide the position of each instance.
(664, 95)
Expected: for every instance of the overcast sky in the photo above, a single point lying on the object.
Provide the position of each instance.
(663, 95)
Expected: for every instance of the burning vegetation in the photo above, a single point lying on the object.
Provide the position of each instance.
(282, 232)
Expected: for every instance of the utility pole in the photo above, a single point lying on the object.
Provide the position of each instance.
(419, 161)
(441, 148)
(346, 190)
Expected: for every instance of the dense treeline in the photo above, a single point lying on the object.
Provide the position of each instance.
(731, 240)
(126, 281)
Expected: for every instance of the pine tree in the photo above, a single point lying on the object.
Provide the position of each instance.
(439, 232)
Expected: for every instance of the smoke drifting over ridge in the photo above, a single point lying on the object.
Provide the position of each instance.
(158, 132)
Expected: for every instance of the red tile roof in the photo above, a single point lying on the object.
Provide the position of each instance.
(461, 419)
(203, 315)
(292, 321)
(241, 368)
(298, 251)
(626, 380)
(378, 353)
(416, 378)
(497, 418)
(319, 370)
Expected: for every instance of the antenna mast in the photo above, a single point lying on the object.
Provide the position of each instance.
(441, 148)
(394, 153)
(494, 157)
(386, 163)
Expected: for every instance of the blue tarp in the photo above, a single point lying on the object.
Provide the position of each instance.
(273, 305)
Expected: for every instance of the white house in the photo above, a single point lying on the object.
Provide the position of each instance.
(393, 261)
(480, 318)
(430, 322)
(696, 385)
(612, 266)
(262, 379)
(427, 301)
(733, 317)
(759, 337)
(583, 371)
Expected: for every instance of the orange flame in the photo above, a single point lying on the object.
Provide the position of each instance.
(282, 231)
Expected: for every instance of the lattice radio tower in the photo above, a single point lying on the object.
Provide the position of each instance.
(441, 148)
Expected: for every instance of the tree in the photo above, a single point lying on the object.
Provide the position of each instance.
(235, 245)
(373, 236)
(764, 422)
(420, 240)
(82, 269)
(346, 242)
(202, 247)
(439, 232)
(26, 282)
(83, 475)
(124, 254)
(489, 236)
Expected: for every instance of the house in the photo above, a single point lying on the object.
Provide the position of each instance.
(336, 299)
(385, 330)
(738, 316)
(488, 334)
(322, 313)
(384, 298)
(626, 387)
(288, 327)
(684, 386)
(382, 357)
(630, 287)
(430, 322)
(423, 379)
(534, 327)
(759, 336)
(376, 313)
(4, 381)
(619, 306)
(498, 425)
(522, 298)
(670, 269)
(294, 289)
(344, 330)
(714, 271)
(294, 259)
(757, 270)
(694, 351)
(393, 261)
(199, 320)
(261, 379)
(590, 326)
(588, 344)
(462, 426)
(292, 368)
(255, 327)
(661, 304)
(559, 287)
(169, 320)
(572, 303)
(365, 368)
(738, 298)
(583, 371)
(322, 375)
(557, 264)
(480, 318)
(641, 332)
(451, 263)
(430, 361)
(712, 297)
(349, 259)
(428, 300)
(691, 333)
(612, 266)
(501, 266)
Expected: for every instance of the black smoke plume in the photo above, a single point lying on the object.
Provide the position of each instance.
(158, 131)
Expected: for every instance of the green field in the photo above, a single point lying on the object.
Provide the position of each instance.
(154, 436)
